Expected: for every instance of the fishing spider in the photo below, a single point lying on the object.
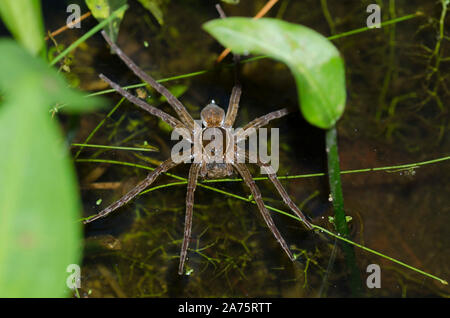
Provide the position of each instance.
(213, 117)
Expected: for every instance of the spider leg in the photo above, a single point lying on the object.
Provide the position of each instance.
(233, 106)
(151, 177)
(247, 177)
(220, 11)
(192, 183)
(281, 190)
(236, 57)
(283, 193)
(236, 92)
(260, 122)
(172, 121)
(171, 99)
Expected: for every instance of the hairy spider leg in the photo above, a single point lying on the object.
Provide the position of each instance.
(246, 176)
(171, 121)
(151, 177)
(192, 183)
(260, 122)
(171, 99)
(233, 106)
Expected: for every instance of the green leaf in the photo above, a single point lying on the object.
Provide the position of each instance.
(39, 202)
(316, 64)
(39, 235)
(102, 9)
(23, 19)
(154, 6)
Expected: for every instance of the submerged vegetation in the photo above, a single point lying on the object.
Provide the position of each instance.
(393, 149)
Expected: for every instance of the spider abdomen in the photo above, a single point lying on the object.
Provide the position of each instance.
(216, 170)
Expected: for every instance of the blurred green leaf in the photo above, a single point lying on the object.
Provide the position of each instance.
(154, 6)
(316, 64)
(24, 20)
(17, 66)
(39, 235)
(102, 9)
(39, 204)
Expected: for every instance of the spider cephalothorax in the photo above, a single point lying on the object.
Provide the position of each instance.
(212, 115)
(206, 161)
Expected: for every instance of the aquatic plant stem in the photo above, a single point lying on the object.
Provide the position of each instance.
(389, 77)
(99, 125)
(442, 281)
(151, 148)
(334, 178)
(383, 24)
(340, 222)
(327, 15)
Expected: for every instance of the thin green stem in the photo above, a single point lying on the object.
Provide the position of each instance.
(393, 21)
(437, 48)
(390, 69)
(396, 168)
(327, 15)
(162, 186)
(88, 34)
(334, 175)
(442, 281)
(129, 165)
(340, 222)
(162, 80)
(115, 147)
(100, 125)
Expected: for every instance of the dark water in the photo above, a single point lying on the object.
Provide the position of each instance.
(403, 214)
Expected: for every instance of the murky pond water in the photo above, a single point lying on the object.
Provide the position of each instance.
(397, 113)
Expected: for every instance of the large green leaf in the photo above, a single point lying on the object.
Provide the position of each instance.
(39, 202)
(316, 64)
(24, 20)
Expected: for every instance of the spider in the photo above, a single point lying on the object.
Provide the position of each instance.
(213, 117)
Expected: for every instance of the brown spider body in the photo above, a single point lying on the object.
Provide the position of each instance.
(215, 166)
(213, 163)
